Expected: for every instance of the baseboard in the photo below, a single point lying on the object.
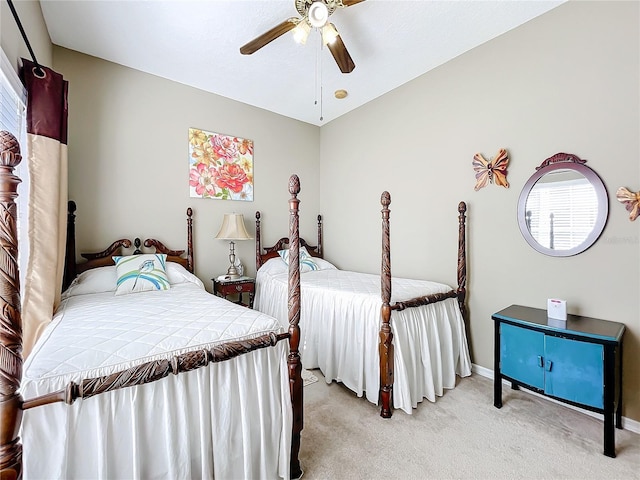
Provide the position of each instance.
(627, 423)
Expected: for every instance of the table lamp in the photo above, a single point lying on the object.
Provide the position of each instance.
(233, 229)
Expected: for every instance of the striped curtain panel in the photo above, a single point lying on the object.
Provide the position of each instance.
(47, 161)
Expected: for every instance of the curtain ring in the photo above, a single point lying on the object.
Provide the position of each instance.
(38, 71)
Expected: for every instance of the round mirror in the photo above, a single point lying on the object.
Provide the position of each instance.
(563, 207)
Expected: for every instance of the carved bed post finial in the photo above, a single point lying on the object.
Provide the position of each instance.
(293, 361)
(258, 246)
(462, 258)
(10, 319)
(386, 336)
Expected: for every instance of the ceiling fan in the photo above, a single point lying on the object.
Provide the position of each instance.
(313, 14)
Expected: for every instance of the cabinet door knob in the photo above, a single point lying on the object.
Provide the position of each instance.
(238, 288)
(549, 365)
(540, 361)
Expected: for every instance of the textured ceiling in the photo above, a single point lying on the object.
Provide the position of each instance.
(197, 43)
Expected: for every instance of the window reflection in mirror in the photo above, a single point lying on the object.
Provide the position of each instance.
(561, 210)
(563, 207)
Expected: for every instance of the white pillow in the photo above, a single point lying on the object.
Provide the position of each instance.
(323, 264)
(275, 266)
(177, 274)
(141, 273)
(96, 280)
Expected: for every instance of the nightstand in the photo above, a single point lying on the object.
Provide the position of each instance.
(577, 362)
(238, 286)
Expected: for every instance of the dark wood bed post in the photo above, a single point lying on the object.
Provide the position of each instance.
(11, 321)
(293, 361)
(172, 255)
(258, 246)
(462, 259)
(70, 252)
(320, 253)
(386, 336)
(191, 265)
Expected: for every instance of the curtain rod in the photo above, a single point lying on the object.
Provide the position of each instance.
(39, 69)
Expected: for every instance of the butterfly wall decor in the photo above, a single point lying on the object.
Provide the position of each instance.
(631, 202)
(494, 171)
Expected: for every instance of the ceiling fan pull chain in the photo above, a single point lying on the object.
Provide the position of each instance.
(315, 87)
(320, 63)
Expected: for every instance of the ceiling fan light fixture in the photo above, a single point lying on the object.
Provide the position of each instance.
(318, 14)
(301, 32)
(329, 34)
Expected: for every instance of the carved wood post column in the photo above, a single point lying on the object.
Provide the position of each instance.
(190, 262)
(10, 320)
(385, 347)
(258, 246)
(293, 361)
(320, 236)
(462, 259)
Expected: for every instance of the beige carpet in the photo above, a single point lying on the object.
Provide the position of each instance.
(462, 435)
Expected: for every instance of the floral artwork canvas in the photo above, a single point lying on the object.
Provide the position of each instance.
(220, 166)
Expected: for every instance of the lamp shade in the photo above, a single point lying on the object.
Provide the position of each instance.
(329, 34)
(233, 228)
(301, 32)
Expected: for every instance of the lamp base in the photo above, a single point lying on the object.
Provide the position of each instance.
(233, 273)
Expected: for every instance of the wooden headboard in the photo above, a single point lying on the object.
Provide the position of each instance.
(265, 253)
(104, 258)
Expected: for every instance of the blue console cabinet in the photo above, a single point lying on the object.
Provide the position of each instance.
(579, 362)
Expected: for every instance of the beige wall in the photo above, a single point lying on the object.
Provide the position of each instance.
(129, 169)
(33, 23)
(564, 82)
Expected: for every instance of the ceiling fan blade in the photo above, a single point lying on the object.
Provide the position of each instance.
(348, 3)
(341, 55)
(269, 36)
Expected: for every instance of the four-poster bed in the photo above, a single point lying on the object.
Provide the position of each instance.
(347, 328)
(208, 416)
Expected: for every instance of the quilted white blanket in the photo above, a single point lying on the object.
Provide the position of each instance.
(99, 334)
(340, 321)
(228, 420)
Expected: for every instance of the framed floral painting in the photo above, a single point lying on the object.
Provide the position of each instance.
(220, 166)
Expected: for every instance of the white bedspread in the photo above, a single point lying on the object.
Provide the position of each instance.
(340, 322)
(229, 420)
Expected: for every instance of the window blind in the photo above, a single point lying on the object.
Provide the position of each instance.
(562, 213)
(13, 118)
(13, 99)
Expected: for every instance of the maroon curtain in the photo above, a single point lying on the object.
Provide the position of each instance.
(47, 107)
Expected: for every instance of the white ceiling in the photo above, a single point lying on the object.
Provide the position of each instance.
(197, 43)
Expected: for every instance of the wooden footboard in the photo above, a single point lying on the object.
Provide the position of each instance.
(151, 371)
(385, 346)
